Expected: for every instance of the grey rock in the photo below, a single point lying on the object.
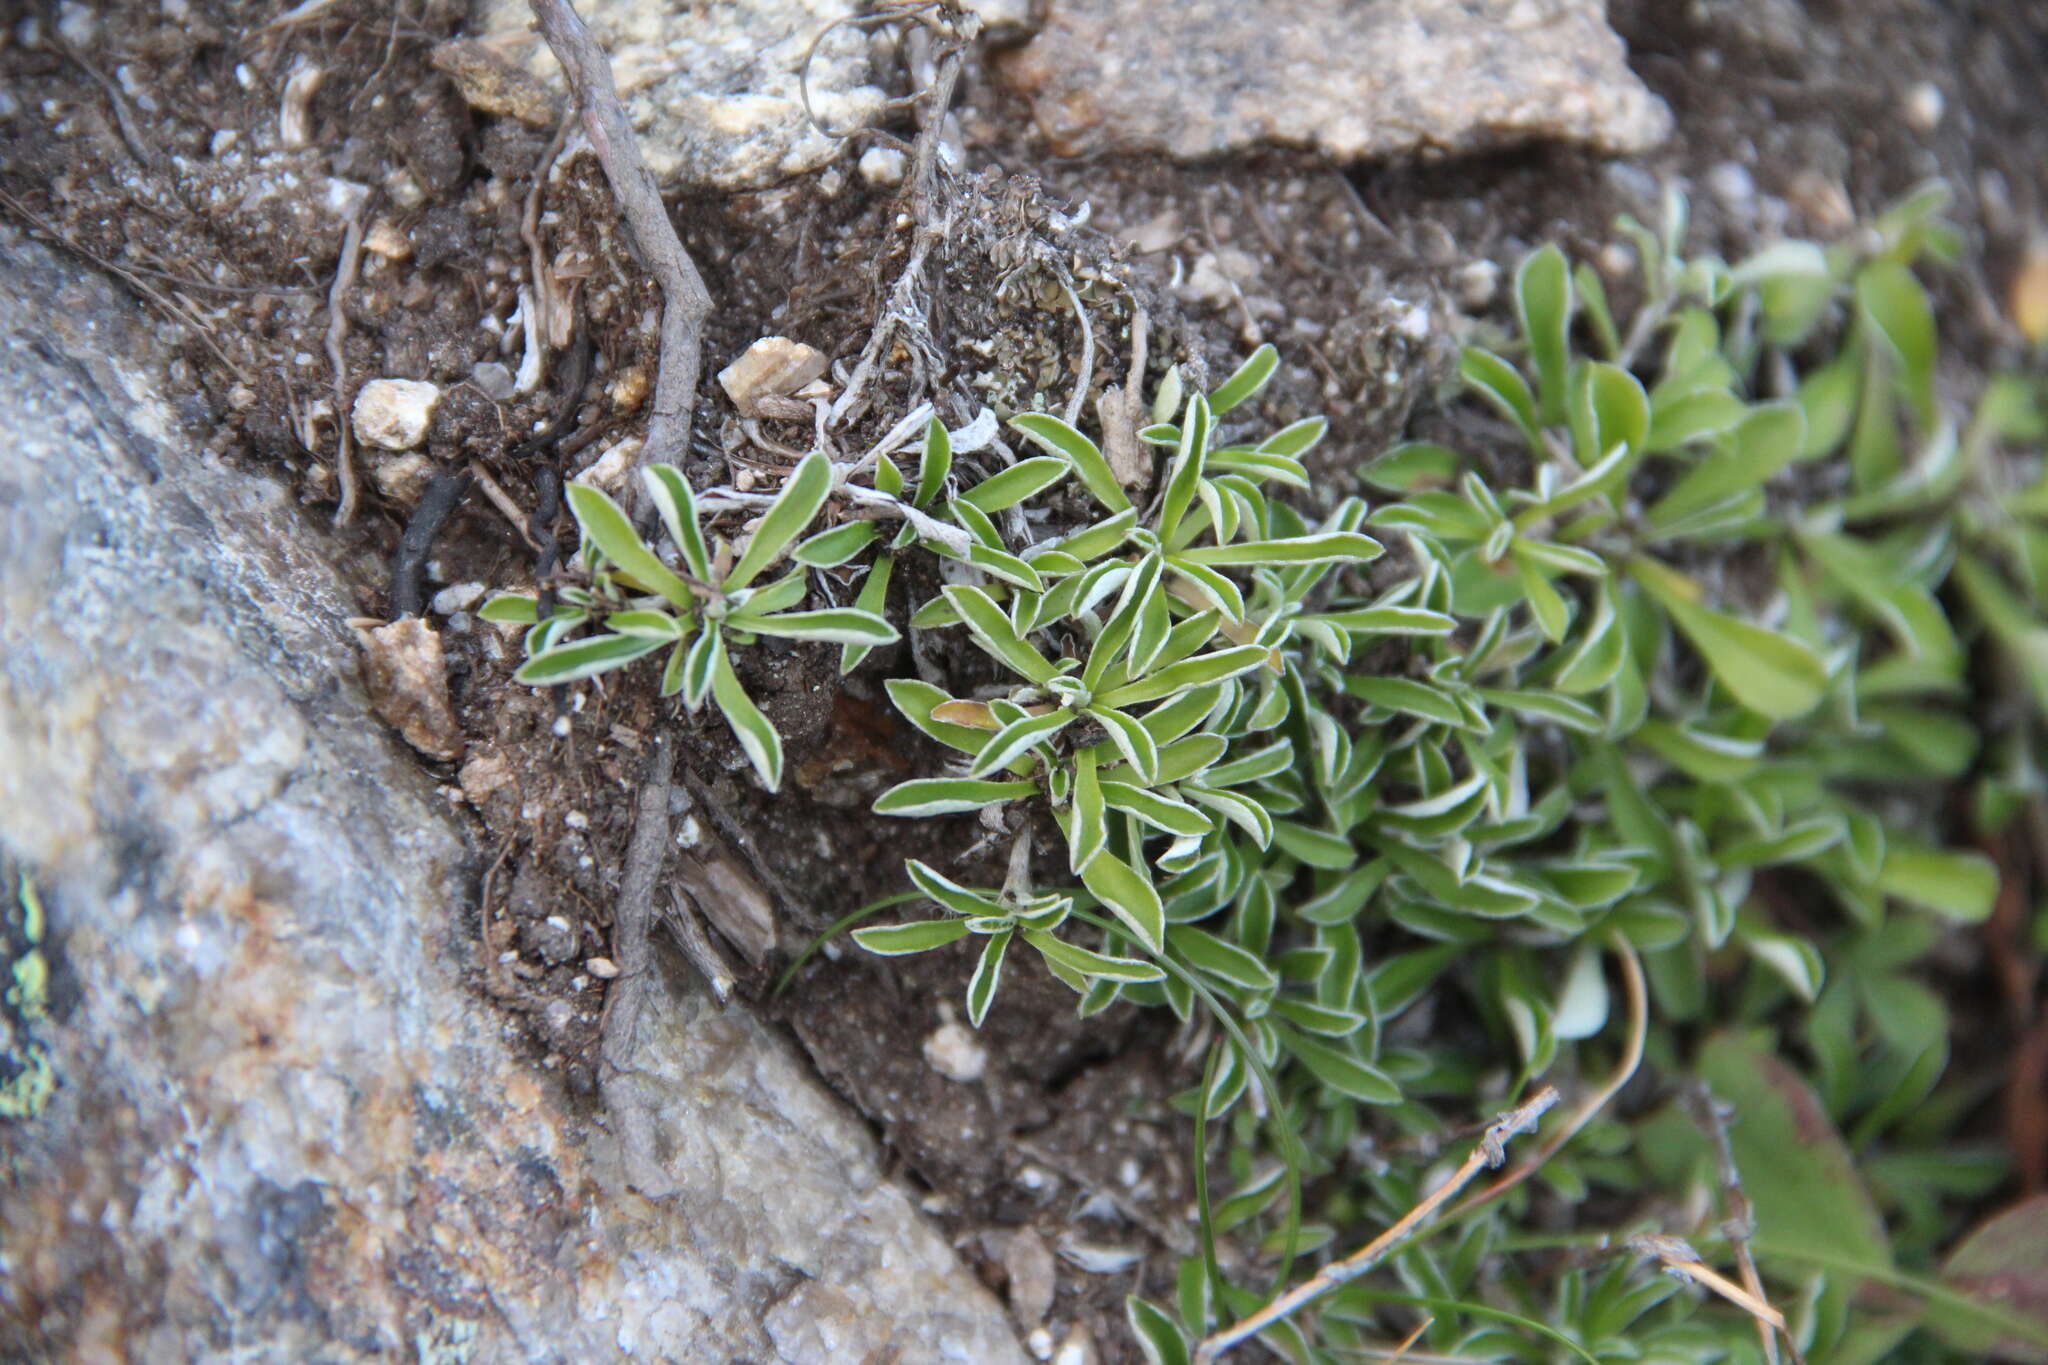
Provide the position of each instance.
(1354, 79)
(284, 1126)
(713, 89)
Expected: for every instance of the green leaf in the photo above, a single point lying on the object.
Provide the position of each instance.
(1203, 668)
(988, 973)
(1129, 895)
(1561, 710)
(1799, 1176)
(1502, 385)
(1089, 963)
(511, 609)
(898, 940)
(1018, 738)
(2002, 1263)
(1058, 438)
(584, 659)
(1896, 306)
(1184, 473)
(834, 546)
(1132, 740)
(1341, 1069)
(802, 495)
(1316, 847)
(1768, 438)
(1414, 467)
(948, 795)
(677, 503)
(1326, 547)
(934, 464)
(993, 631)
(1243, 811)
(949, 894)
(1960, 885)
(1771, 674)
(652, 625)
(1408, 697)
(1392, 620)
(874, 596)
(1021, 480)
(1157, 1337)
(1246, 381)
(1160, 811)
(1543, 304)
(1087, 825)
(834, 625)
(762, 744)
(1220, 958)
(1691, 417)
(611, 530)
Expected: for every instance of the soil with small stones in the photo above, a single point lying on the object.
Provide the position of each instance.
(149, 141)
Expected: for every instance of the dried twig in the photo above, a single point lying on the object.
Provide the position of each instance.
(903, 307)
(685, 300)
(1738, 1214)
(632, 916)
(1084, 368)
(1491, 1150)
(529, 228)
(409, 560)
(1676, 1256)
(337, 337)
(680, 919)
(1624, 1071)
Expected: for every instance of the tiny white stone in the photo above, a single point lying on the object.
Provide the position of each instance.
(882, 166)
(1039, 1343)
(603, 968)
(576, 819)
(952, 1050)
(1925, 105)
(1128, 1172)
(1732, 184)
(460, 597)
(394, 413)
(561, 727)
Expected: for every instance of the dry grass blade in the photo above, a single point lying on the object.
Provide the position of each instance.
(1624, 1071)
(1490, 1150)
(337, 339)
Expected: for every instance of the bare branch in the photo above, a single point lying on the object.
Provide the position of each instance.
(686, 302)
(1490, 1150)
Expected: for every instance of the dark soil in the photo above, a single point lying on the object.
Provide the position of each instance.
(134, 141)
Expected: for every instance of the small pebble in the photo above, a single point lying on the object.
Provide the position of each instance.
(1477, 283)
(1924, 106)
(1732, 184)
(882, 166)
(1039, 1343)
(394, 413)
(460, 597)
(603, 968)
(494, 379)
(953, 1051)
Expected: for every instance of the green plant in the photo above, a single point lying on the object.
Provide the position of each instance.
(1682, 670)
(1596, 730)
(698, 610)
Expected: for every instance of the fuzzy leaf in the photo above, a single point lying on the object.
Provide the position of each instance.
(802, 495)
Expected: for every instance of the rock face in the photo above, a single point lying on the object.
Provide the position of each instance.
(1353, 79)
(713, 89)
(283, 1128)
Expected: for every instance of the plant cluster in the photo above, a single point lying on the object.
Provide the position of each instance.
(1679, 674)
